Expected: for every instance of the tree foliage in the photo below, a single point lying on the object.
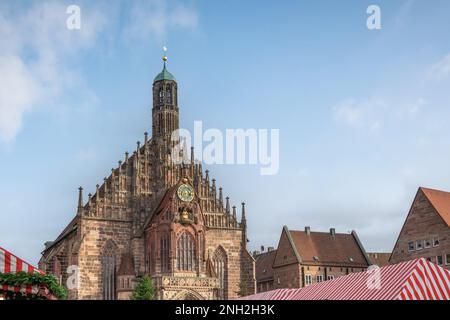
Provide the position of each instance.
(144, 289)
(243, 290)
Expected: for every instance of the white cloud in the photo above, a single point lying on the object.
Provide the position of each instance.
(348, 112)
(441, 69)
(35, 49)
(155, 18)
(360, 114)
(373, 114)
(18, 91)
(38, 53)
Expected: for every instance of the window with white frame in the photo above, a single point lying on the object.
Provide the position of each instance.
(435, 241)
(319, 278)
(419, 244)
(330, 277)
(428, 243)
(439, 260)
(308, 279)
(411, 246)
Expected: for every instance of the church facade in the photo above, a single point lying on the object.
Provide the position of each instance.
(153, 216)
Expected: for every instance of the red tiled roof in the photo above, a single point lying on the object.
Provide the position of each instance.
(339, 249)
(264, 263)
(440, 200)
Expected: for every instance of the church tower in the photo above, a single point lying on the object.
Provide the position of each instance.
(158, 216)
(165, 113)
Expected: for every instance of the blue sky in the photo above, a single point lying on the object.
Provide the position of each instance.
(363, 115)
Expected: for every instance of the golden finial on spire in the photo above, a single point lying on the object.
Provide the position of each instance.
(164, 56)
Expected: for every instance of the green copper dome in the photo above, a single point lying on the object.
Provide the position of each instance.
(164, 75)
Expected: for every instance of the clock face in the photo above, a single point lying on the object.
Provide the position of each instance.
(185, 193)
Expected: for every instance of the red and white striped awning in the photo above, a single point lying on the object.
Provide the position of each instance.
(10, 263)
(412, 280)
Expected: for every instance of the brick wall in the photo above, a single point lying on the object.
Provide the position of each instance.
(287, 276)
(96, 233)
(422, 224)
(240, 263)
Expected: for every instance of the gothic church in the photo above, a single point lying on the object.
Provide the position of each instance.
(154, 217)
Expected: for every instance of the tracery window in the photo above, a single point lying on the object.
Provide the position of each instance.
(109, 271)
(186, 257)
(219, 261)
(164, 251)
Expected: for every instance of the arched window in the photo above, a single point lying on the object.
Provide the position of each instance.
(219, 261)
(109, 271)
(169, 94)
(186, 258)
(164, 252)
(161, 95)
(56, 269)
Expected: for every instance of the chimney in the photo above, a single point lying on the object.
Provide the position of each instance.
(262, 248)
(308, 230)
(332, 232)
(270, 249)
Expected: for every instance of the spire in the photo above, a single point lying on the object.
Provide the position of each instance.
(164, 74)
(80, 200)
(227, 205)
(234, 213)
(214, 187)
(214, 195)
(220, 199)
(243, 218)
(244, 226)
(192, 171)
(207, 176)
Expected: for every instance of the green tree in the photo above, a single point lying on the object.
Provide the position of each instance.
(243, 290)
(144, 289)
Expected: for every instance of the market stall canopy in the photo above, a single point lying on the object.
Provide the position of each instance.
(10, 263)
(412, 280)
